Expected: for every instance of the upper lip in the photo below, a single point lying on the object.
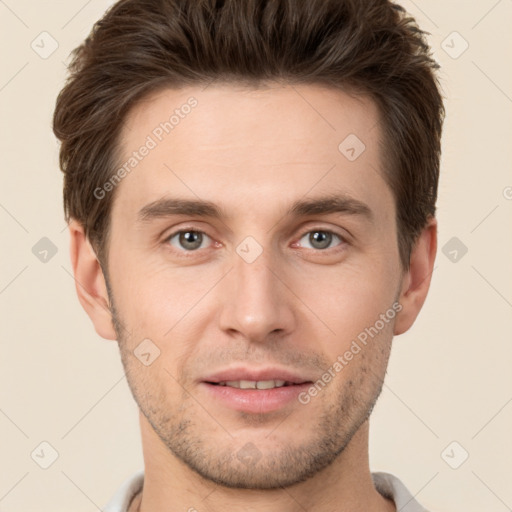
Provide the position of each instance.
(252, 374)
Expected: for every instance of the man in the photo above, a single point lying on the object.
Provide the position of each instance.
(251, 192)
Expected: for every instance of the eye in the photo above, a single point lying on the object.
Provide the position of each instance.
(321, 239)
(191, 240)
(188, 239)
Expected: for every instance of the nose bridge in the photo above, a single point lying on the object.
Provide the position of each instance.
(256, 302)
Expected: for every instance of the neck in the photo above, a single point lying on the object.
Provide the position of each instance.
(171, 486)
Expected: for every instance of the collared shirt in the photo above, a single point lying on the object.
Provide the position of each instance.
(386, 484)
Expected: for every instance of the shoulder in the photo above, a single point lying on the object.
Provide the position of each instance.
(392, 487)
(125, 493)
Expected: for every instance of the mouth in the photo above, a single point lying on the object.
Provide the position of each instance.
(256, 378)
(255, 391)
(255, 384)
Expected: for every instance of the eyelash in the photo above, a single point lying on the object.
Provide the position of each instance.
(188, 254)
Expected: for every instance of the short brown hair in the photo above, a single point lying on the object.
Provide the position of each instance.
(370, 47)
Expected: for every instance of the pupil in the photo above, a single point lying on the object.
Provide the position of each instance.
(322, 238)
(190, 239)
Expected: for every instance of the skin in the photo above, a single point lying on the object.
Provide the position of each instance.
(299, 305)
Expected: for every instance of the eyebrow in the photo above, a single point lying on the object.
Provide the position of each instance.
(168, 206)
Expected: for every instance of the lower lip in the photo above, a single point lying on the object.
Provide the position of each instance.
(255, 400)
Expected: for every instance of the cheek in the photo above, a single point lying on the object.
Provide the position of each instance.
(351, 303)
(352, 296)
(164, 303)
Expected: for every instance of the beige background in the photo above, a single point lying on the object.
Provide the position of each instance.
(449, 378)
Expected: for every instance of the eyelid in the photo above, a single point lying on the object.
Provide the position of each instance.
(170, 232)
(325, 230)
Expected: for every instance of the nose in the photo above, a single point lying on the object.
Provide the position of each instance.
(256, 303)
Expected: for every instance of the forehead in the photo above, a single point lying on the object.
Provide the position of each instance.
(240, 146)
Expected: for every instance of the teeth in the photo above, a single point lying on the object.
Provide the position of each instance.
(252, 384)
(269, 384)
(266, 384)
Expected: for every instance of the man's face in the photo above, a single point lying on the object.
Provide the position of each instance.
(261, 293)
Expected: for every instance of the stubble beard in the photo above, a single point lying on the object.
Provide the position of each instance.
(219, 459)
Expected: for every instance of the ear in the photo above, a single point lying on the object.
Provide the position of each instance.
(90, 282)
(416, 280)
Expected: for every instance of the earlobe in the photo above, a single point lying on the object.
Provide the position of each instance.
(416, 280)
(90, 282)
